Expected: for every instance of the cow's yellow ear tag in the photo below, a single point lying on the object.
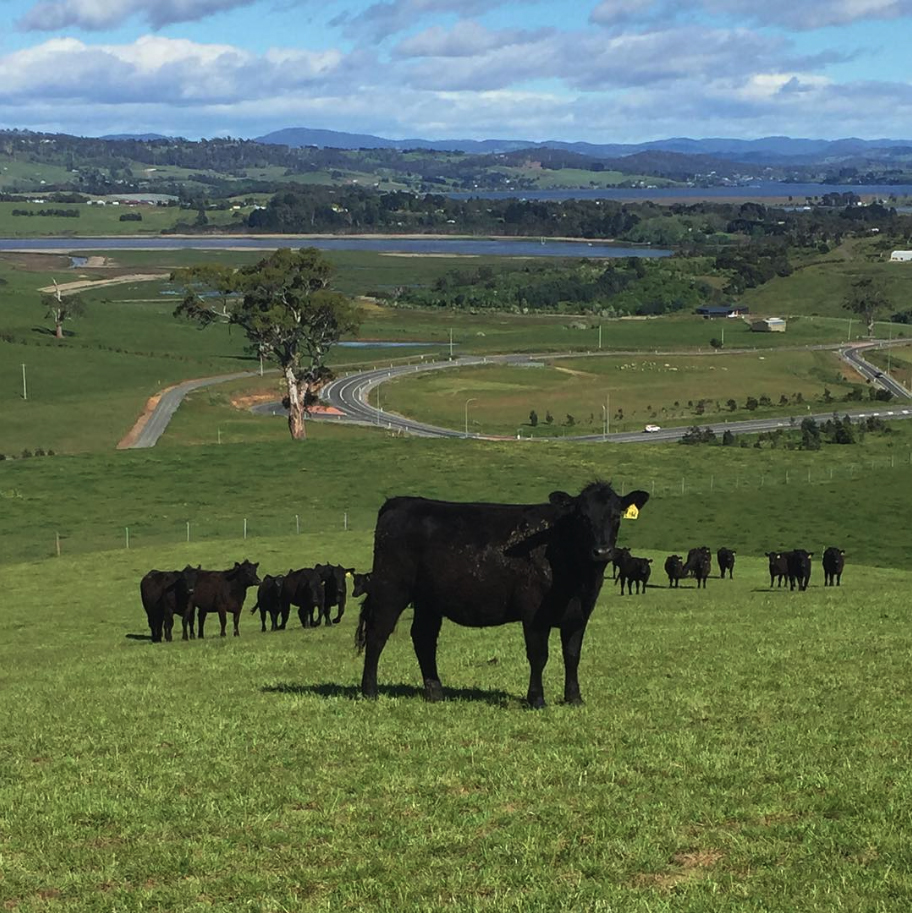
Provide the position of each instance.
(347, 574)
(632, 512)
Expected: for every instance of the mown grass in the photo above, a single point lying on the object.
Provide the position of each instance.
(740, 749)
(641, 390)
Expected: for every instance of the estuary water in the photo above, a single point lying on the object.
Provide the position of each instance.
(499, 247)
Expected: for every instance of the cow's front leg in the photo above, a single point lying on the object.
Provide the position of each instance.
(201, 623)
(237, 617)
(537, 654)
(223, 620)
(572, 645)
(425, 631)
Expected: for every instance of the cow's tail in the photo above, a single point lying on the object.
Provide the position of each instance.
(363, 621)
(256, 605)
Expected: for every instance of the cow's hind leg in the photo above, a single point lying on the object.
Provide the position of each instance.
(237, 616)
(537, 654)
(425, 630)
(379, 613)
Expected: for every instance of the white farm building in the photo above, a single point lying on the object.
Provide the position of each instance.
(901, 256)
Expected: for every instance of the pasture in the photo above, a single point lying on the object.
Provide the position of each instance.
(740, 748)
(670, 390)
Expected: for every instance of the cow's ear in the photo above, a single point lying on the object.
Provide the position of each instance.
(635, 497)
(560, 499)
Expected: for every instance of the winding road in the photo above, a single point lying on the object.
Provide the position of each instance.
(351, 397)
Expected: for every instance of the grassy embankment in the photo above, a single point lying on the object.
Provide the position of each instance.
(665, 390)
(740, 748)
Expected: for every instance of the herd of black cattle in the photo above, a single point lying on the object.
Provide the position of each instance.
(195, 593)
(793, 566)
(476, 564)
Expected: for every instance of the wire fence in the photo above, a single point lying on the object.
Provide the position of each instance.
(51, 540)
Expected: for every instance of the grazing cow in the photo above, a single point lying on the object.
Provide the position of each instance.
(304, 589)
(488, 564)
(334, 589)
(165, 594)
(674, 568)
(269, 601)
(223, 592)
(726, 559)
(778, 566)
(361, 584)
(698, 564)
(799, 568)
(632, 571)
(833, 564)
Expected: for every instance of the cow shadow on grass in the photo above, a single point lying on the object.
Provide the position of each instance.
(138, 636)
(494, 697)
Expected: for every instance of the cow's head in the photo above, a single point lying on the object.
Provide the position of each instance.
(246, 573)
(189, 575)
(361, 584)
(596, 513)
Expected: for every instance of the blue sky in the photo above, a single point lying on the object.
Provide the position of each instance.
(593, 70)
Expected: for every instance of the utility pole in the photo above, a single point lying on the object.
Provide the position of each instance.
(600, 336)
(451, 343)
(24, 388)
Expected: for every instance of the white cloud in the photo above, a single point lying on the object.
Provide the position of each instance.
(466, 39)
(97, 15)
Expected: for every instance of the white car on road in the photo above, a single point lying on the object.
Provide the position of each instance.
(651, 429)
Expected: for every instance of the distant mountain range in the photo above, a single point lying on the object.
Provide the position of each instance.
(772, 150)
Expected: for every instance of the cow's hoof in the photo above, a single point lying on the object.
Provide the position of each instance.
(369, 695)
(433, 691)
(537, 703)
(575, 701)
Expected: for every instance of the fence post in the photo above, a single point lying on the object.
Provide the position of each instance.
(188, 530)
(245, 527)
(786, 477)
(682, 486)
(57, 539)
(345, 521)
(127, 532)
(297, 524)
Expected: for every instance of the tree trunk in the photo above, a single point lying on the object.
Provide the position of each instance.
(58, 331)
(295, 406)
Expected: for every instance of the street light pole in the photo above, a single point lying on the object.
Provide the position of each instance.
(470, 400)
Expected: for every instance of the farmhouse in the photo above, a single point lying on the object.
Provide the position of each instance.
(768, 325)
(727, 310)
(901, 256)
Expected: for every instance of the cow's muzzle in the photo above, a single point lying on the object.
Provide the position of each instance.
(603, 553)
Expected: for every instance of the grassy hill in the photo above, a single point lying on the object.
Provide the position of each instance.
(741, 748)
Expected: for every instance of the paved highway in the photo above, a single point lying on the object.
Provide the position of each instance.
(351, 395)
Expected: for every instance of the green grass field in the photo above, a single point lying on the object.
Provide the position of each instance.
(740, 748)
(99, 220)
(638, 390)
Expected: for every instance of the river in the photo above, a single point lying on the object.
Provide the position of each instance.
(501, 247)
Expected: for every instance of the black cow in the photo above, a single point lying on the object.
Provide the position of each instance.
(620, 555)
(334, 589)
(778, 566)
(799, 568)
(674, 568)
(698, 565)
(633, 570)
(304, 589)
(361, 584)
(269, 601)
(726, 559)
(833, 564)
(488, 564)
(165, 594)
(224, 592)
